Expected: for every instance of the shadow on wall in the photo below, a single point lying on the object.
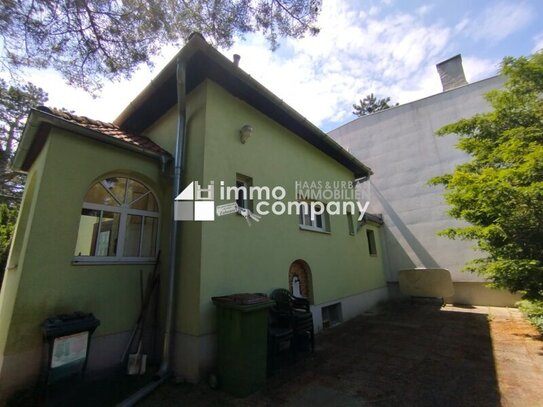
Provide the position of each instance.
(397, 248)
(396, 256)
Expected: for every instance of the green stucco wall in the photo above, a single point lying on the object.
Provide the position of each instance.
(239, 258)
(48, 282)
(216, 258)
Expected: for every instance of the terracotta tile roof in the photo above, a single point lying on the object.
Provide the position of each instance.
(109, 129)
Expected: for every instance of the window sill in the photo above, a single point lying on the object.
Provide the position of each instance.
(112, 262)
(310, 229)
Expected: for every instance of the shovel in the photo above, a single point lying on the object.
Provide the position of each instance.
(136, 362)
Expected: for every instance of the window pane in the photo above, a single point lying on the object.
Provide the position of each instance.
(133, 236)
(372, 248)
(94, 239)
(106, 241)
(350, 223)
(307, 219)
(88, 228)
(318, 218)
(139, 197)
(116, 186)
(148, 246)
(98, 195)
(243, 193)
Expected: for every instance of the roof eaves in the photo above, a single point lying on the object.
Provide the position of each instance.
(38, 117)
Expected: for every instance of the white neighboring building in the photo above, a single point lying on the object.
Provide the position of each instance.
(401, 147)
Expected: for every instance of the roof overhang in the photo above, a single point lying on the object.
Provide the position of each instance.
(37, 130)
(205, 62)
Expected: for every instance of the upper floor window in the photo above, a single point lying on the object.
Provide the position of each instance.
(318, 222)
(243, 185)
(119, 222)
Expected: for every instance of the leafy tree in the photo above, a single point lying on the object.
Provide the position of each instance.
(15, 103)
(92, 40)
(8, 217)
(500, 190)
(370, 105)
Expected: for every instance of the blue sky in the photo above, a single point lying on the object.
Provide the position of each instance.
(387, 47)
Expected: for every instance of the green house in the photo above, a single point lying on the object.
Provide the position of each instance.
(98, 207)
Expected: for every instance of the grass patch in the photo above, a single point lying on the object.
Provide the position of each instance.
(534, 311)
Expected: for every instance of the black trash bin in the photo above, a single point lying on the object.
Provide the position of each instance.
(67, 339)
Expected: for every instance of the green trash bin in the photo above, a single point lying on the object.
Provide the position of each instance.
(242, 333)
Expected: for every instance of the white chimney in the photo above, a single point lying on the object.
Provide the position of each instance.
(451, 73)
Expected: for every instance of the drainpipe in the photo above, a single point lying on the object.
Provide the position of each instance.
(164, 371)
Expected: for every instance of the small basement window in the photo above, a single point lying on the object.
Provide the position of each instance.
(331, 315)
(372, 248)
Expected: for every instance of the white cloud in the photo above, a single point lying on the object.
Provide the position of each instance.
(478, 68)
(499, 20)
(462, 25)
(538, 43)
(325, 75)
(424, 9)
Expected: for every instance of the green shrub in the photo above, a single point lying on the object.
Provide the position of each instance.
(534, 312)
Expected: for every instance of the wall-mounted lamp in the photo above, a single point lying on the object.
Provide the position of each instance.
(245, 132)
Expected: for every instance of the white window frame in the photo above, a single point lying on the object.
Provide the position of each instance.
(306, 223)
(124, 211)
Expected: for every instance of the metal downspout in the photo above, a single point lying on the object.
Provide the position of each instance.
(164, 371)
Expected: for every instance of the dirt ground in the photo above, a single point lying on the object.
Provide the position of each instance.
(402, 355)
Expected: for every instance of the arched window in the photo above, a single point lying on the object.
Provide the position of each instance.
(119, 222)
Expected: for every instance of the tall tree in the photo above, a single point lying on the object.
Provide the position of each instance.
(370, 105)
(15, 103)
(8, 217)
(92, 40)
(500, 190)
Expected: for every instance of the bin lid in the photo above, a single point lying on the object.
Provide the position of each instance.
(242, 299)
(65, 324)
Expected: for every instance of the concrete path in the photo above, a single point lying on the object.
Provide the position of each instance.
(518, 352)
(402, 355)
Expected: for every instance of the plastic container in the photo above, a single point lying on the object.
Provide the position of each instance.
(68, 339)
(242, 333)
